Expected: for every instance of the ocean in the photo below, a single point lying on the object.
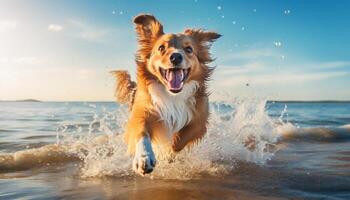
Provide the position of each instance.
(254, 149)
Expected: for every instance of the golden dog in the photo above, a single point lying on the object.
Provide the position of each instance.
(169, 103)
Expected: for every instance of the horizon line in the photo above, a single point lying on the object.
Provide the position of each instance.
(112, 101)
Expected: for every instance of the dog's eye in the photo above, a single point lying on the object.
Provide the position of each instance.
(188, 49)
(161, 48)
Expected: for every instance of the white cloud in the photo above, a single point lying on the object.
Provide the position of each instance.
(56, 83)
(240, 69)
(6, 25)
(251, 54)
(26, 60)
(88, 32)
(326, 65)
(252, 74)
(55, 28)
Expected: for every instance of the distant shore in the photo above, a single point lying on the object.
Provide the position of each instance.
(21, 100)
(268, 101)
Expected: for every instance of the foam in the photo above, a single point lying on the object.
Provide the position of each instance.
(347, 126)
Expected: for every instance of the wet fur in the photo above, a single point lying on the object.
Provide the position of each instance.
(174, 121)
(125, 89)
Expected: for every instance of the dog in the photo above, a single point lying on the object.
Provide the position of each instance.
(169, 101)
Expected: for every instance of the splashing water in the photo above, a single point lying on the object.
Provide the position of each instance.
(238, 131)
(277, 43)
(283, 113)
(286, 12)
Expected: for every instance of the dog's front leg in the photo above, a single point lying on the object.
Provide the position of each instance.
(138, 138)
(144, 160)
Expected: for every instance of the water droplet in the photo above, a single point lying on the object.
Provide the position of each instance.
(243, 28)
(219, 8)
(277, 44)
(287, 12)
(223, 16)
(113, 12)
(121, 12)
(283, 57)
(234, 22)
(195, 1)
(254, 10)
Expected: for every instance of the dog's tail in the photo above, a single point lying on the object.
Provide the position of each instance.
(125, 88)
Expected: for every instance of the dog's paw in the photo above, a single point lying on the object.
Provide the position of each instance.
(144, 163)
(144, 160)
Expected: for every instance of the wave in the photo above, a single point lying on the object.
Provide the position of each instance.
(7, 131)
(290, 133)
(347, 126)
(30, 158)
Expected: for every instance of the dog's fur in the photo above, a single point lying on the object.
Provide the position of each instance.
(174, 116)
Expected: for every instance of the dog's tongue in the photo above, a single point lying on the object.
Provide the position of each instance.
(174, 78)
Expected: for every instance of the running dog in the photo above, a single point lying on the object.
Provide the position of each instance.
(169, 101)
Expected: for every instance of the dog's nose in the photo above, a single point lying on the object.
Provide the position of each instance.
(176, 58)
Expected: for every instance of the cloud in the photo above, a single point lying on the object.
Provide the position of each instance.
(252, 54)
(6, 25)
(329, 65)
(87, 32)
(265, 66)
(26, 60)
(50, 83)
(252, 67)
(257, 73)
(55, 28)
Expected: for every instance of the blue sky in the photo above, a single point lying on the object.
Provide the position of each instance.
(286, 50)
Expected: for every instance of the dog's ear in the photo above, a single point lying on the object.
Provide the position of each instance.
(148, 26)
(202, 36)
(204, 39)
(148, 30)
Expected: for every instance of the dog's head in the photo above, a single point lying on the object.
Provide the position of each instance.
(173, 59)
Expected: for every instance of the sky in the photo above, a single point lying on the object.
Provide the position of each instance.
(63, 50)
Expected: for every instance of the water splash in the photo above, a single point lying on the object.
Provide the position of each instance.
(277, 43)
(283, 114)
(286, 12)
(238, 131)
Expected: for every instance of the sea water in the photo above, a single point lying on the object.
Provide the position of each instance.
(254, 149)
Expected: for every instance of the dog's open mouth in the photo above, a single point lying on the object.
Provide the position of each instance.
(174, 78)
